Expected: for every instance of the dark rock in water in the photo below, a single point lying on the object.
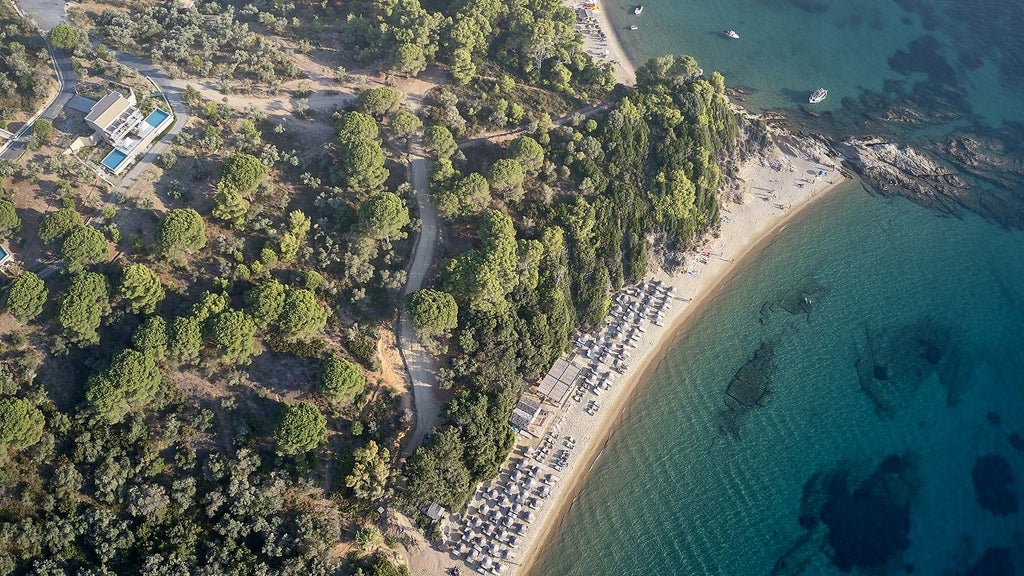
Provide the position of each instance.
(994, 418)
(995, 562)
(863, 526)
(1017, 441)
(931, 353)
(993, 485)
(749, 388)
(869, 526)
(880, 372)
(895, 361)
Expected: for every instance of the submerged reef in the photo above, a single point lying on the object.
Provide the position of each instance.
(749, 388)
(995, 562)
(895, 361)
(796, 301)
(856, 525)
(993, 485)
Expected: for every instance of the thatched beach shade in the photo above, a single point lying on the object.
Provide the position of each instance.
(528, 516)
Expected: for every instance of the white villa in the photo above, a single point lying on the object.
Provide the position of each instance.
(118, 121)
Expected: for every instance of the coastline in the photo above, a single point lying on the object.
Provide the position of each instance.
(606, 39)
(743, 249)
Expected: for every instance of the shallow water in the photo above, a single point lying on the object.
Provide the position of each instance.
(674, 494)
(912, 347)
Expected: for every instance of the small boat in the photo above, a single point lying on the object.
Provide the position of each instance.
(638, 9)
(634, 27)
(818, 95)
(731, 34)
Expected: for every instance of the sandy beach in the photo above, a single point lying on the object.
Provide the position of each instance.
(768, 194)
(601, 41)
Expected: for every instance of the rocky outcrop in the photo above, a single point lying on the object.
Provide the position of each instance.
(951, 188)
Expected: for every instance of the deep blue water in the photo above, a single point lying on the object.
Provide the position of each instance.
(892, 441)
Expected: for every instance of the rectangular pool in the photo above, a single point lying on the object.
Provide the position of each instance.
(113, 160)
(156, 117)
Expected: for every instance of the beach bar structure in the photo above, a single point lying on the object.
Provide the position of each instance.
(557, 383)
(117, 120)
(525, 411)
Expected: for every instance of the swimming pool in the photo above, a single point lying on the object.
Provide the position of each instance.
(156, 117)
(114, 160)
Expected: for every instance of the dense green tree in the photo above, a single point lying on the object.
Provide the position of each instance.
(300, 428)
(507, 177)
(131, 381)
(465, 197)
(26, 296)
(83, 305)
(436, 472)
(57, 224)
(230, 206)
(65, 36)
(265, 302)
(301, 315)
(233, 332)
(408, 59)
(181, 231)
(369, 472)
(356, 127)
(21, 423)
(404, 124)
(527, 152)
(141, 289)
(362, 165)
(439, 140)
(84, 245)
(185, 337)
(9, 220)
(383, 216)
(243, 172)
(433, 312)
(288, 245)
(42, 130)
(378, 101)
(461, 66)
(209, 304)
(151, 337)
(340, 380)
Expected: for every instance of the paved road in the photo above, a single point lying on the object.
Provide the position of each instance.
(181, 116)
(421, 365)
(67, 79)
(46, 13)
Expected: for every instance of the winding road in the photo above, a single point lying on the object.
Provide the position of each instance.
(419, 363)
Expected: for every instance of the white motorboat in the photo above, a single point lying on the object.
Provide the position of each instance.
(818, 95)
(731, 34)
(638, 9)
(634, 27)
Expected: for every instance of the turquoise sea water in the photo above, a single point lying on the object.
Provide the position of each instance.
(912, 348)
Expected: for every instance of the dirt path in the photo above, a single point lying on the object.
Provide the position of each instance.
(421, 364)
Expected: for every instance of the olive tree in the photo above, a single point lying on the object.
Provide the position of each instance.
(370, 471)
